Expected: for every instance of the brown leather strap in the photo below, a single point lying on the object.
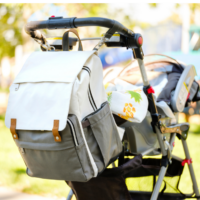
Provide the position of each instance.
(85, 123)
(13, 129)
(65, 40)
(56, 134)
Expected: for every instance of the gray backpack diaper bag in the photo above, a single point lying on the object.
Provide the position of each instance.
(60, 119)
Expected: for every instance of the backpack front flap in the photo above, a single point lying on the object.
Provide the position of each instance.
(42, 90)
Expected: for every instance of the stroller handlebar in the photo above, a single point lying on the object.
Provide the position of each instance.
(32, 27)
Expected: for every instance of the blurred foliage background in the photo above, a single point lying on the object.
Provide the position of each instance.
(13, 17)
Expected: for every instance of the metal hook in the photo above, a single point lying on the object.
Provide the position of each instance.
(101, 42)
(45, 45)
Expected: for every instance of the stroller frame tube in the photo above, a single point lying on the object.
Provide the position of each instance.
(143, 72)
(71, 193)
(161, 142)
(161, 176)
(138, 54)
(148, 151)
(173, 135)
(187, 155)
(163, 169)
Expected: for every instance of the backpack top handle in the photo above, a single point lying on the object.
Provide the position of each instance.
(65, 40)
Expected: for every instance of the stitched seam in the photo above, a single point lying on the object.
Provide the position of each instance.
(74, 136)
(92, 97)
(87, 68)
(86, 141)
(89, 159)
(80, 163)
(89, 92)
(117, 137)
(89, 72)
(90, 100)
(83, 139)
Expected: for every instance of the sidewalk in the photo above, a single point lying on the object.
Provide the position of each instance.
(8, 194)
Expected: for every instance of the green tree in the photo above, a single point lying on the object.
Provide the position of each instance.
(10, 23)
(13, 17)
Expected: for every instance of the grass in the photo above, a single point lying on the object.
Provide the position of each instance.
(12, 169)
(195, 128)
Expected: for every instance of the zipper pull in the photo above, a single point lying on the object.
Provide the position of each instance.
(16, 87)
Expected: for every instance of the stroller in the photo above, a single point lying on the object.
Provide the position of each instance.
(155, 135)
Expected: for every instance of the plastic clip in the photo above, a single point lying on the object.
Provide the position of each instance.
(188, 161)
(150, 90)
(173, 144)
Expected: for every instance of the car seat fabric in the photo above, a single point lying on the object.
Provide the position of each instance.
(163, 76)
(165, 94)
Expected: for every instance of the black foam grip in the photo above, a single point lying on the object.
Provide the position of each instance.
(62, 23)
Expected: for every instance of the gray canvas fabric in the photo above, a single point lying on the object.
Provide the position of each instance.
(69, 159)
(104, 132)
(48, 159)
(94, 148)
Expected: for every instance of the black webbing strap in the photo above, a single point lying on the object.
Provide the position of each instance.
(154, 181)
(121, 158)
(164, 188)
(116, 26)
(177, 189)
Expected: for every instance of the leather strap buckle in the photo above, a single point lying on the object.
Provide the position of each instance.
(13, 129)
(55, 132)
